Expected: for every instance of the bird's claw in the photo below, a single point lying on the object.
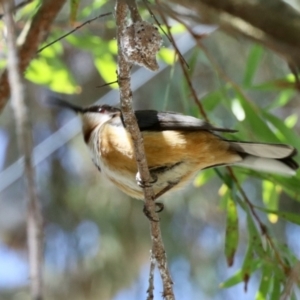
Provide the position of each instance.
(159, 207)
(141, 183)
(148, 214)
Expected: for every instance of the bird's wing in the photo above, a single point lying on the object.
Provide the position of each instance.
(152, 120)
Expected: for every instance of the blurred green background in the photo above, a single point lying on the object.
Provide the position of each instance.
(97, 239)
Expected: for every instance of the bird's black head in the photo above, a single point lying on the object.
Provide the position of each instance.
(91, 116)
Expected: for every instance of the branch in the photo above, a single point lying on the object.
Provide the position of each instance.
(151, 278)
(34, 217)
(18, 6)
(132, 126)
(72, 31)
(37, 33)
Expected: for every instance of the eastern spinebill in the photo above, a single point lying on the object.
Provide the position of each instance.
(176, 147)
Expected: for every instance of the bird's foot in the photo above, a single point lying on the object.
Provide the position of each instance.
(141, 183)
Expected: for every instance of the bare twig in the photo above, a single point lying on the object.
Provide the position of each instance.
(292, 279)
(262, 226)
(131, 125)
(37, 33)
(106, 84)
(18, 6)
(184, 67)
(34, 217)
(151, 278)
(168, 35)
(135, 16)
(73, 30)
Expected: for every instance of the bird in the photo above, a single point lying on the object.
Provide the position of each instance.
(177, 147)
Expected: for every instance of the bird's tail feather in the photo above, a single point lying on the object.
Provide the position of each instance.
(273, 158)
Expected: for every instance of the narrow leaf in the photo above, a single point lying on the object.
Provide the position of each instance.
(265, 283)
(293, 218)
(275, 293)
(232, 231)
(249, 266)
(271, 194)
(254, 121)
(255, 237)
(74, 9)
(286, 134)
(253, 61)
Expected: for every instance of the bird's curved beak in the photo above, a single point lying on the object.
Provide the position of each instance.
(65, 104)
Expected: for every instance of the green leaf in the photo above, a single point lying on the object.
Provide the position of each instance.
(271, 194)
(168, 88)
(283, 99)
(265, 283)
(192, 62)
(178, 28)
(167, 55)
(87, 42)
(27, 10)
(254, 121)
(291, 121)
(211, 100)
(250, 265)
(232, 231)
(53, 73)
(275, 292)
(52, 51)
(284, 133)
(289, 184)
(113, 46)
(291, 217)
(107, 67)
(95, 6)
(279, 84)
(203, 177)
(74, 4)
(3, 63)
(252, 64)
(255, 237)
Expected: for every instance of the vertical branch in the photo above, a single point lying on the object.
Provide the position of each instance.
(34, 219)
(124, 68)
(151, 278)
(37, 33)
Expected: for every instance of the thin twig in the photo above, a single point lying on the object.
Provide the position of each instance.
(185, 72)
(131, 124)
(262, 226)
(106, 84)
(38, 31)
(168, 35)
(24, 135)
(73, 30)
(135, 16)
(18, 6)
(151, 278)
(292, 279)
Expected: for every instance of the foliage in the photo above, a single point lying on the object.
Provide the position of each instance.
(249, 89)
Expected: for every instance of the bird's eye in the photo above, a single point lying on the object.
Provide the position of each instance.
(101, 109)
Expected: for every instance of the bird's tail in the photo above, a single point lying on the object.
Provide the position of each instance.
(273, 158)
